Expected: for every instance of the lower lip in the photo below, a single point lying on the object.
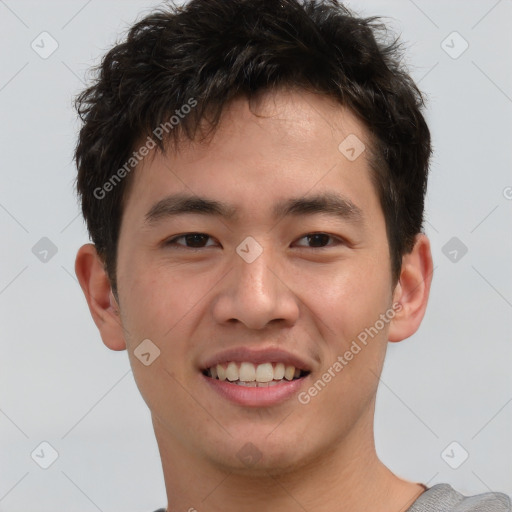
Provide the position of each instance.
(256, 397)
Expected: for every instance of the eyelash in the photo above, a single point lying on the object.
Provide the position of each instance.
(172, 241)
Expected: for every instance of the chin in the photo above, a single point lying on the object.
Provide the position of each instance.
(256, 455)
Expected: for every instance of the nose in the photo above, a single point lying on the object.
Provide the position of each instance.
(256, 293)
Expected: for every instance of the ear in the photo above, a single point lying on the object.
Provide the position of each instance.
(95, 284)
(412, 290)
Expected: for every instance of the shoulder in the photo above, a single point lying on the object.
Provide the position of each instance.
(444, 498)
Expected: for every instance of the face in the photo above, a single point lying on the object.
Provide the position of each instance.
(306, 282)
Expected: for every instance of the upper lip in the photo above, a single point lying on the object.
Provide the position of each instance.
(256, 356)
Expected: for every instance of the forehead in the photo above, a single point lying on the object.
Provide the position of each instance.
(274, 143)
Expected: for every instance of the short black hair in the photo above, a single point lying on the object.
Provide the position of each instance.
(207, 52)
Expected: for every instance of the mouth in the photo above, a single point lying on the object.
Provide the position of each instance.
(251, 375)
(263, 377)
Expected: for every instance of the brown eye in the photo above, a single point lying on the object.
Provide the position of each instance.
(192, 240)
(320, 240)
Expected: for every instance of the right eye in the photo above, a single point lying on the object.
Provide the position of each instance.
(196, 240)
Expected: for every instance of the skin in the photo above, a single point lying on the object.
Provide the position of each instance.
(311, 301)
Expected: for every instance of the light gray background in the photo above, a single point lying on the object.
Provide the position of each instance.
(451, 381)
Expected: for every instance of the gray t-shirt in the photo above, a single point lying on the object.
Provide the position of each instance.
(444, 498)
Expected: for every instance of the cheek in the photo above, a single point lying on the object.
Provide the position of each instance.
(158, 300)
(349, 299)
(165, 306)
(347, 307)
(160, 307)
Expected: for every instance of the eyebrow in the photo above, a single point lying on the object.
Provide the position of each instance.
(329, 203)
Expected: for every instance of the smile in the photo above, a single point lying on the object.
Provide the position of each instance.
(251, 375)
(261, 385)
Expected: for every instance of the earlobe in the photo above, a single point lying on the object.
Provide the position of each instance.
(412, 290)
(102, 304)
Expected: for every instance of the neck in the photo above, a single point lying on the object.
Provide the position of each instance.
(349, 477)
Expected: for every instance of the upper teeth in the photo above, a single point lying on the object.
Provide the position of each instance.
(248, 372)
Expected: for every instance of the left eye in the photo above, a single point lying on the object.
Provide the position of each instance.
(197, 240)
(319, 238)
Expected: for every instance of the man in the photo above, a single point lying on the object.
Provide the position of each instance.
(252, 174)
